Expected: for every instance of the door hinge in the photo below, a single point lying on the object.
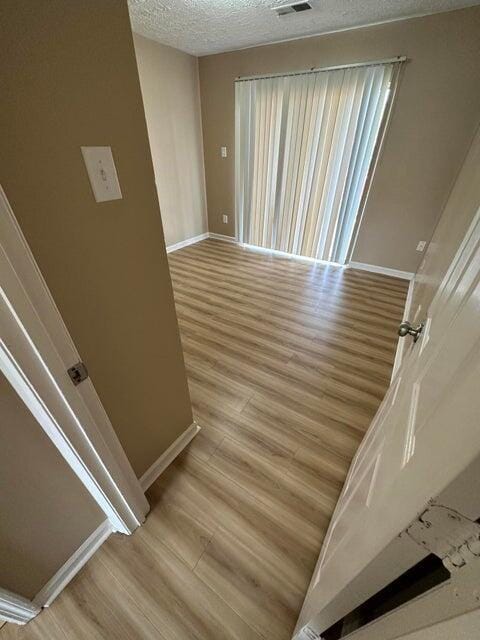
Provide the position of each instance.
(448, 534)
(78, 373)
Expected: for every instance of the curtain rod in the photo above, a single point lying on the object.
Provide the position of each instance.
(321, 69)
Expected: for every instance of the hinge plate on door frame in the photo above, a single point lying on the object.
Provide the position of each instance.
(78, 373)
(448, 534)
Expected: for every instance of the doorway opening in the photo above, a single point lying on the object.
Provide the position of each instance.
(306, 144)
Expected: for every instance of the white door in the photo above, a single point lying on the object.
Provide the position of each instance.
(424, 436)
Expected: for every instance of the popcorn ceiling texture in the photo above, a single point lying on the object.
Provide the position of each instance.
(202, 27)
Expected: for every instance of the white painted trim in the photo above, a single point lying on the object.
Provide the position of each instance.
(394, 273)
(72, 566)
(185, 243)
(35, 353)
(16, 609)
(168, 456)
(220, 236)
(401, 341)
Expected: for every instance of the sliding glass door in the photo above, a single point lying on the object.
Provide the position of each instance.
(304, 146)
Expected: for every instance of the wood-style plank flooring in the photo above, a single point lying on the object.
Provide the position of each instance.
(287, 363)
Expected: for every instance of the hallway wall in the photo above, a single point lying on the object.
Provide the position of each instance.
(171, 97)
(69, 78)
(45, 511)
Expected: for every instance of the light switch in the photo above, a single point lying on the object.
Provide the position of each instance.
(223, 152)
(102, 173)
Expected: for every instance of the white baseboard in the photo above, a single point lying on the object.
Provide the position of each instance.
(185, 243)
(399, 353)
(220, 236)
(72, 566)
(203, 236)
(16, 609)
(395, 273)
(154, 471)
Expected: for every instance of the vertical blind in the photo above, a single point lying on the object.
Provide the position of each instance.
(304, 145)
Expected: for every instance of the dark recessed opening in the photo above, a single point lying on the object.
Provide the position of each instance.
(422, 577)
(301, 6)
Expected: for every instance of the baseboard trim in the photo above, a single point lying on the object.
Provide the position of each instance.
(72, 566)
(220, 236)
(195, 239)
(394, 273)
(399, 353)
(159, 466)
(16, 609)
(185, 243)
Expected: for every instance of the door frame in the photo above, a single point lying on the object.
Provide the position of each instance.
(16, 609)
(73, 417)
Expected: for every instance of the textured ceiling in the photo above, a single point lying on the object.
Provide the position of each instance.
(201, 27)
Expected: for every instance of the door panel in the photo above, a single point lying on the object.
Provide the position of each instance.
(425, 433)
(361, 479)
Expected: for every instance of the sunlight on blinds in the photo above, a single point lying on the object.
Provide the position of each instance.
(304, 145)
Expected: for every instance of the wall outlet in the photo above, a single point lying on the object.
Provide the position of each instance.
(223, 152)
(225, 219)
(421, 245)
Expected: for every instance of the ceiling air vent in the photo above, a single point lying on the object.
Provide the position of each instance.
(295, 7)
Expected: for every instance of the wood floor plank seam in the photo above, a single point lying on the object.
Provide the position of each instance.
(287, 362)
(364, 300)
(241, 277)
(350, 318)
(292, 268)
(239, 271)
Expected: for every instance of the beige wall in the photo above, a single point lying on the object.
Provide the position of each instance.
(462, 205)
(434, 119)
(171, 96)
(68, 78)
(45, 512)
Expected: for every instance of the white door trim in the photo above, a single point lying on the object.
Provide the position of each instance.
(14, 608)
(35, 352)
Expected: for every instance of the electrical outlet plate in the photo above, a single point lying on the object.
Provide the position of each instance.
(225, 218)
(421, 245)
(223, 152)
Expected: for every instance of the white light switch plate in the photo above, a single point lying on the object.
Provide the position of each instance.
(223, 152)
(102, 173)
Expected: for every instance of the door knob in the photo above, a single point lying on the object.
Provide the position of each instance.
(406, 329)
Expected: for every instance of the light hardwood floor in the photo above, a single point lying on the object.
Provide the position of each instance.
(287, 363)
